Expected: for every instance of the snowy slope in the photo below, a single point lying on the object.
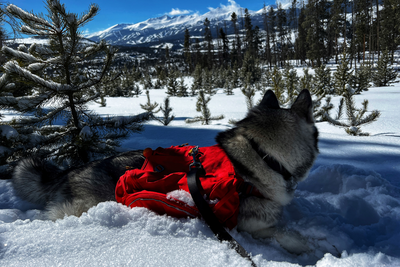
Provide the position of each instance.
(349, 205)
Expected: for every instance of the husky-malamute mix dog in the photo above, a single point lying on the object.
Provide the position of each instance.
(272, 148)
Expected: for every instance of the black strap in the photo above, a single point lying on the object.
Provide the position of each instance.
(208, 215)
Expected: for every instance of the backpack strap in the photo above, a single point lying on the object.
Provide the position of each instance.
(195, 189)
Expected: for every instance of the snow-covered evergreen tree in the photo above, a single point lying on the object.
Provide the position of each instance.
(278, 85)
(384, 74)
(306, 81)
(342, 75)
(291, 84)
(202, 106)
(57, 123)
(322, 86)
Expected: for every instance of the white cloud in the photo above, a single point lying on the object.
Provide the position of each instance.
(177, 11)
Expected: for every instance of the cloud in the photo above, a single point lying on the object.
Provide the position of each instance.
(177, 11)
(231, 7)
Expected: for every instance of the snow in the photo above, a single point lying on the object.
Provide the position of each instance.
(8, 132)
(349, 206)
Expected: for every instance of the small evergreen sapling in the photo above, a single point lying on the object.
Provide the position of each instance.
(150, 107)
(201, 106)
(355, 116)
(166, 111)
(249, 92)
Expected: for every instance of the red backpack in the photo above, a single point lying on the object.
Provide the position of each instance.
(164, 171)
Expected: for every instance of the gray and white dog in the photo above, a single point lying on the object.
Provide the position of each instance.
(272, 148)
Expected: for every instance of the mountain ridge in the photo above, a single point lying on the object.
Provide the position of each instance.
(171, 29)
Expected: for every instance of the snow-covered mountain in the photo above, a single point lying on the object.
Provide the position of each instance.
(171, 29)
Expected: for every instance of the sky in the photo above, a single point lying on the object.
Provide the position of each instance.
(133, 11)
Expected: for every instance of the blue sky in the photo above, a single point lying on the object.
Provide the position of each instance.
(133, 11)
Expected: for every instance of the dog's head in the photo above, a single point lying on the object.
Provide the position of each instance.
(287, 136)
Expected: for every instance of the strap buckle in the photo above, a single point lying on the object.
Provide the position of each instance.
(196, 163)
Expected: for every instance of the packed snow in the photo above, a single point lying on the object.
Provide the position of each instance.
(348, 208)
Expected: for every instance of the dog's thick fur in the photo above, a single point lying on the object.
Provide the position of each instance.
(286, 135)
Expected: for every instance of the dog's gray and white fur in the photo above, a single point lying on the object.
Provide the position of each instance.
(288, 136)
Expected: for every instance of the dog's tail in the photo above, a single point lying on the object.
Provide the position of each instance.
(37, 181)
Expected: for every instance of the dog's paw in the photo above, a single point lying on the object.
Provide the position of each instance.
(292, 241)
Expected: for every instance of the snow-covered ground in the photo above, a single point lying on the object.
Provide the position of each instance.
(349, 205)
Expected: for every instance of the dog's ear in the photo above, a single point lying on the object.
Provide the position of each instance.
(303, 106)
(269, 100)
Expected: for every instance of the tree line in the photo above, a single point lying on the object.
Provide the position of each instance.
(312, 33)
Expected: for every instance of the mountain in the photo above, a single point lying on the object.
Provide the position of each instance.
(171, 29)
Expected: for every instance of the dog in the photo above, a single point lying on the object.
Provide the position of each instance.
(273, 148)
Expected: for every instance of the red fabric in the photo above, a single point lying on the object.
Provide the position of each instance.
(147, 188)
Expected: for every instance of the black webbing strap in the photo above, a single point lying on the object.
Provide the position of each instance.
(208, 215)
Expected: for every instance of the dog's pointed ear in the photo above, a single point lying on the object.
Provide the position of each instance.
(269, 100)
(303, 106)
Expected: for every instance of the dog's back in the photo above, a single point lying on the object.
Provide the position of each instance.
(72, 191)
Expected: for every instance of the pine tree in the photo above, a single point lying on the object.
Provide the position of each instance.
(249, 92)
(61, 86)
(150, 107)
(385, 74)
(355, 116)
(322, 81)
(146, 80)
(250, 67)
(208, 40)
(361, 79)
(319, 111)
(228, 86)
(278, 85)
(208, 83)
(225, 47)
(306, 81)
(197, 80)
(186, 49)
(201, 106)
(291, 84)
(301, 40)
(166, 111)
(342, 75)
(182, 88)
(322, 86)
(172, 85)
